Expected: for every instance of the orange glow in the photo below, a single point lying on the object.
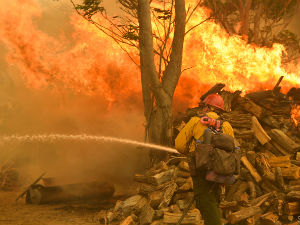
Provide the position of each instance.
(295, 115)
(92, 64)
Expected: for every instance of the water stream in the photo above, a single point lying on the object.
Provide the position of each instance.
(43, 138)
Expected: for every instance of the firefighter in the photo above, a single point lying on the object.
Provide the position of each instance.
(205, 192)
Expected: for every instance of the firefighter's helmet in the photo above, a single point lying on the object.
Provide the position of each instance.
(215, 100)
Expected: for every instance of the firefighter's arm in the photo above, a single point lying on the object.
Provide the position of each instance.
(185, 135)
(227, 129)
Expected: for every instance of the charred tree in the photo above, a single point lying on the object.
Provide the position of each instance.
(158, 113)
(160, 62)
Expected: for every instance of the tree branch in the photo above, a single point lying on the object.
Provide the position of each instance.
(173, 70)
(209, 18)
(148, 73)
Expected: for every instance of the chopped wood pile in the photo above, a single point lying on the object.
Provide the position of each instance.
(164, 192)
(267, 190)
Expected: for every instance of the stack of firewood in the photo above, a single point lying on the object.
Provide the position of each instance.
(164, 192)
(267, 190)
(260, 195)
(269, 182)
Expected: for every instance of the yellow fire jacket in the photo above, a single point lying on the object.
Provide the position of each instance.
(194, 128)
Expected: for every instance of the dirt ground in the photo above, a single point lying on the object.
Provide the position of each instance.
(20, 213)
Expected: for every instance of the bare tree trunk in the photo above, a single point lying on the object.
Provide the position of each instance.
(244, 13)
(159, 118)
(257, 23)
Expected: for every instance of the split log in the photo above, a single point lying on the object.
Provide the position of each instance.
(244, 214)
(294, 182)
(183, 203)
(148, 188)
(242, 188)
(251, 169)
(162, 177)
(294, 223)
(251, 156)
(271, 122)
(279, 207)
(141, 178)
(298, 156)
(269, 219)
(187, 186)
(215, 89)
(228, 98)
(157, 168)
(245, 174)
(232, 189)
(184, 166)
(292, 208)
(244, 134)
(190, 218)
(252, 189)
(293, 188)
(246, 125)
(259, 95)
(244, 199)
(277, 149)
(174, 208)
(147, 215)
(261, 199)
(168, 194)
(238, 119)
(158, 215)
(226, 205)
(251, 107)
(263, 167)
(280, 161)
(279, 178)
(292, 173)
(267, 186)
(180, 180)
(295, 162)
(293, 195)
(237, 116)
(253, 219)
(183, 195)
(289, 220)
(133, 204)
(155, 198)
(284, 141)
(259, 132)
(258, 190)
(269, 176)
(128, 221)
(281, 109)
(183, 174)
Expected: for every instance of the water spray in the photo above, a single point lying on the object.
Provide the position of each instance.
(43, 138)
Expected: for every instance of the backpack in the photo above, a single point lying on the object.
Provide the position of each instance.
(216, 152)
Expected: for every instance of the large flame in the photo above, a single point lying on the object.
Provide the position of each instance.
(92, 64)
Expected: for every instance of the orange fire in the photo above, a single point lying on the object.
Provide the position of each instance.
(92, 64)
(295, 114)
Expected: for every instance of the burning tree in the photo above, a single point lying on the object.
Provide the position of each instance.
(259, 22)
(160, 62)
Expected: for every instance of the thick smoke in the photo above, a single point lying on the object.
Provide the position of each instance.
(39, 46)
(61, 75)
